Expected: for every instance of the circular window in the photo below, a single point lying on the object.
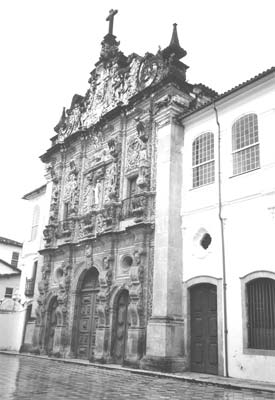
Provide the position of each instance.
(205, 241)
(202, 243)
(126, 262)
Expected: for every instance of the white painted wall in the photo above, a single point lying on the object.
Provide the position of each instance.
(31, 247)
(12, 324)
(6, 251)
(11, 281)
(247, 200)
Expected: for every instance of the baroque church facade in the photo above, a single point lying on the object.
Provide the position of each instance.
(143, 208)
(97, 279)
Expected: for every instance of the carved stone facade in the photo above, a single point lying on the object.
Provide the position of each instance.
(96, 291)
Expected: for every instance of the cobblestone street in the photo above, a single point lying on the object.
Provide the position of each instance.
(28, 378)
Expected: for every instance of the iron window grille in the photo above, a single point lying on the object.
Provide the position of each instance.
(245, 144)
(261, 313)
(9, 292)
(203, 160)
(14, 259)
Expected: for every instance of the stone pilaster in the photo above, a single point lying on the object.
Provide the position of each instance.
(165, 347)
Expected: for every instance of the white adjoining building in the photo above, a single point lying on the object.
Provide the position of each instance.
(228, 231)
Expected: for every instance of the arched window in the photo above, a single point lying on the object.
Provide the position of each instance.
(35, 222)
(203, 160)
(245, 144)
(261, 313)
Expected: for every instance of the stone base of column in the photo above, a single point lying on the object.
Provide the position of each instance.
(165, 345)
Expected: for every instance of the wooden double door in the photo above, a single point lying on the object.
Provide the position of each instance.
(204, 338)
(86, 321)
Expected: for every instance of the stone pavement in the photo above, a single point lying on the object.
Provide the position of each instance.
(39, 378)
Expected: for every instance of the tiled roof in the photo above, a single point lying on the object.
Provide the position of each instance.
(15, 271)
(10, 241)
(234, 89)
(34, 192)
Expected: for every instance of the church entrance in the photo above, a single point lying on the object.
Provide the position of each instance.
(51, 324)
(121, 327)
(204, 340)
(86, 324)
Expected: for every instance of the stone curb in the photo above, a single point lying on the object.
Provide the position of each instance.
(232, 383)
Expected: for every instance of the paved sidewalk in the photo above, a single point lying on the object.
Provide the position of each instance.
(221, 381)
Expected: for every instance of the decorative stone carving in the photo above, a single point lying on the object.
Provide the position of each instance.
(71, 188)
(142, 129)
(71, 119)
(105, 283)
(133, 153)
(136, 307)
(111, 182)
(114, 147)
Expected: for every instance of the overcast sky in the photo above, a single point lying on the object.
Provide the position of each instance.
(49, 47)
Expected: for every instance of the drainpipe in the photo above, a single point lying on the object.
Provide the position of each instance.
(223, 245)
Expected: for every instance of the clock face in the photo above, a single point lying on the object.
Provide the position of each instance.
(147, 73)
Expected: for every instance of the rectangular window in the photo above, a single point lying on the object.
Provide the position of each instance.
(203, 161)
(132, 186)
(9, 292)
(261, 314)
(14, 259)
(245, 144)
(204, 174)
(66, 211)
(246, 160)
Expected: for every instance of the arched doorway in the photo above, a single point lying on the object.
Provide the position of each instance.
(121, 327)
(86, 324)
(51, 324)
(204, 338)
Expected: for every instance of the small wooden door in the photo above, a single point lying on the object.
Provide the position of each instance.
(86, 315)
(52, 322)
(121, 327)
(204, 340)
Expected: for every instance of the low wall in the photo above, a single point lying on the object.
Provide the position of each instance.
(11, 329)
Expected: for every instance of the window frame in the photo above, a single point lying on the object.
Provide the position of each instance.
(8, 296)
(15, 259)
(243, 149)
(244, 281)
(35, 222)
(198, 173)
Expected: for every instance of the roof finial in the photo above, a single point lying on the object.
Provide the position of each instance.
(174, 46)
(110, 18)
(174, 38)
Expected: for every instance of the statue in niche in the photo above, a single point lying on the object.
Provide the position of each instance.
(71, 187)
(96, 194)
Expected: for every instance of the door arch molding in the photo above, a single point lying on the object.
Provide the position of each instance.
(187, 285)
(117, 323)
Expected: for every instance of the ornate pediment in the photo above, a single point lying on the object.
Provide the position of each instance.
(112, 85)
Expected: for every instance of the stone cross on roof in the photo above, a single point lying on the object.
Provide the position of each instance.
(110, 18)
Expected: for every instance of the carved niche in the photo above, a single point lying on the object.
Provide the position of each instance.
(49, 231)
(105, 283)
(71, 188)
(136, 306)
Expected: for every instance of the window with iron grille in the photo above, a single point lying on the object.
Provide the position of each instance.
(245, 144)
(261, 313)
(203, 160)
(8, 292)
(14, 259)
